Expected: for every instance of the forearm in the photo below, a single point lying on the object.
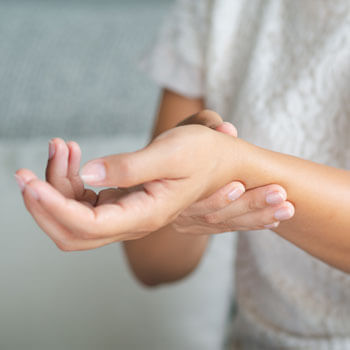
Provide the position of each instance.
(165, 255)
(321, 195)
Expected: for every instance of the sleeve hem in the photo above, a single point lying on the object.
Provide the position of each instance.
(170, 71)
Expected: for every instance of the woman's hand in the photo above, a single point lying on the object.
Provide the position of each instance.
(232, 209)
(176, 169)
(64, 188)
(173, 172)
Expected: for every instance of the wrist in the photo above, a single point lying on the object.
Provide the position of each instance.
(232, 161)
(243, 162)
(256, 166)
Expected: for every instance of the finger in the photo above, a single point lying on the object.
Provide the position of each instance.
(255, 199)
(73, 171)
(263, 218)
(57, 165)
(80, 193)
(73, 159)
(63, 170)
(227, 128)
(64, 239)
(219, 200)
(137, 212)
(52, 200)
(158, 160)
(206, 118)
(57, 168)
(45, 221)
(25, 175)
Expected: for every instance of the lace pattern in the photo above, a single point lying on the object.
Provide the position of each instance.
(280, 71)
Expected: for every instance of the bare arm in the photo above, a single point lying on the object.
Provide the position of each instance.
(174, 251)
(321, 194)
(166, 255)
(189, 168)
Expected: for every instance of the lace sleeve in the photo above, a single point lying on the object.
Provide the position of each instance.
(176, 61)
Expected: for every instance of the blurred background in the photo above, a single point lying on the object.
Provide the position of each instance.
(70, 69)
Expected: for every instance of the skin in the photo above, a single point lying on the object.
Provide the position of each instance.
(321, 224)
(154, 259)
(188, 233)
(173, 182)
(62, 173)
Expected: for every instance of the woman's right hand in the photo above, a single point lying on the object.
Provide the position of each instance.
(232, 209)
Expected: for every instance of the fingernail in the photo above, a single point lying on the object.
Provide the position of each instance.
(32, 192)
(51, 149)
(93, 172)
(274, 225)
(235, 194)
(20, 182)
(283, 214)
(274, 197)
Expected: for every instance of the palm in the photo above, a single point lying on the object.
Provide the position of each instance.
(118, 205)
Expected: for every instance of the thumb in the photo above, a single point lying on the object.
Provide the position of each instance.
(130, 169)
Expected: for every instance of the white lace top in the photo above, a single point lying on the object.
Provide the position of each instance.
(280, 71)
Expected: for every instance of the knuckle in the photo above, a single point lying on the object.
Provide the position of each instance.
(208, 113)
(65, 246)
(210, 118)
(252, 203)
(276, 189)
(257, 199)
(211, 218)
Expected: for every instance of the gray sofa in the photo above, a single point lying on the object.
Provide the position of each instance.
(69, 69)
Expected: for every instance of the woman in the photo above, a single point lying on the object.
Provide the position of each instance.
(280, 71)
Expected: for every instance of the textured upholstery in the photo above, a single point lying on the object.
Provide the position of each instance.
(70, 67)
